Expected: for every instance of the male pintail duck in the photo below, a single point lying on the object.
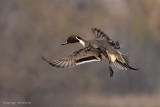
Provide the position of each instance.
(98, 49)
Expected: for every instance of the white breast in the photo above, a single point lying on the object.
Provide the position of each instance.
(82, 42)
(112, 57)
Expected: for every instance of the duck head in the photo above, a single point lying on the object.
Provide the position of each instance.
(74, 39)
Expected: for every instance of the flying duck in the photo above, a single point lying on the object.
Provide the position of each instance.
(98, 49)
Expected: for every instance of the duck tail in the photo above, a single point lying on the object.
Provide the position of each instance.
(126, 65)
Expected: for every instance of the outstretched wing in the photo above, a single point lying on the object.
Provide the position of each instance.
(79, 57)
(99, 33)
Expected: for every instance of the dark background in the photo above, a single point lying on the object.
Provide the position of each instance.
(32, 28)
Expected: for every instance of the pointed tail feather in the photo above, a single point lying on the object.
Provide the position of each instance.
(126, 65)
(131, 67)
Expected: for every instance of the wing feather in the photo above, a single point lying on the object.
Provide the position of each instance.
(79, 57)
(98, 33)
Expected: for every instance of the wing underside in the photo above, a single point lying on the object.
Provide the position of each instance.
(79, 57)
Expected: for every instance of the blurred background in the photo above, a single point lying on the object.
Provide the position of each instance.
(32, 28)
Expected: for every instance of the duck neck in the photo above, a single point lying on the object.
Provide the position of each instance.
(82, 42)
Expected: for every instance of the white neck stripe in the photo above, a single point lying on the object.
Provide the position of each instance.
(81, 41)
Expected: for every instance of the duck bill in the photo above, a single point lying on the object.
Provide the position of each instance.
(64, 43)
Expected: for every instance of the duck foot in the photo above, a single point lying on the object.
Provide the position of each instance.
(111, 71)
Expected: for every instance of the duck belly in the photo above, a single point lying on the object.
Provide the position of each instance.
(112, 57)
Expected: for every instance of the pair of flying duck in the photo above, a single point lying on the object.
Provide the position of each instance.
(98, 49)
